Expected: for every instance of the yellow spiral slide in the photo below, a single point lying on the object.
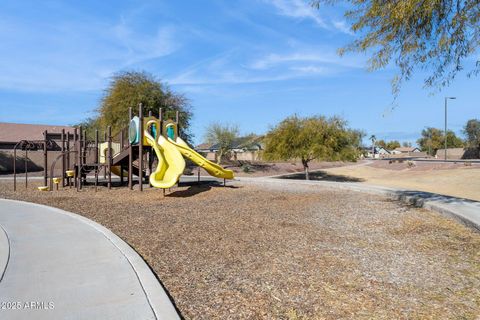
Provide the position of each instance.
(170, 162)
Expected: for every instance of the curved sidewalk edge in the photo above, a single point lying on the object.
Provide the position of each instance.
(4, 251)
(157, 299)
(463, 210)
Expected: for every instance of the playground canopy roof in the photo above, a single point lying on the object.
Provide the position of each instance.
(14, 132)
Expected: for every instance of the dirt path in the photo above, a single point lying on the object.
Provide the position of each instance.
(460, 181)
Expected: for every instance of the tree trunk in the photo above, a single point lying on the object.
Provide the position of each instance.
(305, 167)
(220, 155)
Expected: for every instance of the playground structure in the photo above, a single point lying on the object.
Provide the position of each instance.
(132, 152)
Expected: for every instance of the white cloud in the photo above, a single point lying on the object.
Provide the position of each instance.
(297, 9)
(343, 26)
(70, 55)
(301, 9)
(206, 77)
(310, 70)
(140, 46)
(225, 69)
(320, 55)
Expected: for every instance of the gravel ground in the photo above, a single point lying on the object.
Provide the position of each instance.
(277, 252)
(255, 169)
(263, 169)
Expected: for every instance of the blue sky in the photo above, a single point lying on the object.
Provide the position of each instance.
(250, 62)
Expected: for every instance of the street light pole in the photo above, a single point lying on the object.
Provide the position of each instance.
(445, 134)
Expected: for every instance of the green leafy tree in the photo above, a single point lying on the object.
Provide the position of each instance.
(433, 139)
(129, 89)
(312, 138)
(90, 125)
(381, 143)
(223, 136)
(389, 145)
(453, 141)
(433, 35)
(406, 144)
(472, 133)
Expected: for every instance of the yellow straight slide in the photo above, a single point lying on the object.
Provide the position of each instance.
(170, 162)
(211, 167)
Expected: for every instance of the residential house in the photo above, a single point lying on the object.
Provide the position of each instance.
(12, 133)
(407, 150)
(242, 149)
(379, 152)
(206, 150)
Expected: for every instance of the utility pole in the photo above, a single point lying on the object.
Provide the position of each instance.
(446, 99)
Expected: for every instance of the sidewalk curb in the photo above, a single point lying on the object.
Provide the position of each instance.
(4, 251)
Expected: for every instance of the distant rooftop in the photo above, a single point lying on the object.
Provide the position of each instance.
(13, 132)
(406, 149)
(204, 146)
(246, 143)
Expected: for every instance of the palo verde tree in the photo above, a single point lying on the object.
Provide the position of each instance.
(223, 136)
(312, 138)
(436, 36)
(129, 89)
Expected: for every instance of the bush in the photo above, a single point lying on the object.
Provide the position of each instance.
(246, 168)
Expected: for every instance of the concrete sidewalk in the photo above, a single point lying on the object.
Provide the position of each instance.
(59, 265)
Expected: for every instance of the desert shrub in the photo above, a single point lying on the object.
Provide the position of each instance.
(246, 168)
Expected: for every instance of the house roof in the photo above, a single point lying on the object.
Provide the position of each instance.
(247, 143)
(204, 146)
(13, 132)
(407, 149)
(377, 149)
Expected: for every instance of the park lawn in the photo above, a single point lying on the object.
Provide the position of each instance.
(289, 251)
